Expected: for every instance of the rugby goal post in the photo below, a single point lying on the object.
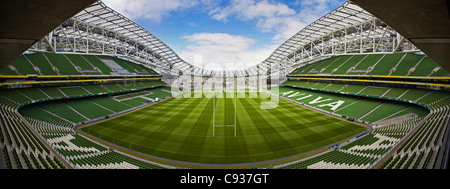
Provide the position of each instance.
(214, 114)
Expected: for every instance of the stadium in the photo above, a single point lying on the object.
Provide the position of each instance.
(355, 89)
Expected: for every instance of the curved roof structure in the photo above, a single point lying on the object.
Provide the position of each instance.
(100, 30)
(347, 29)
(409, 20)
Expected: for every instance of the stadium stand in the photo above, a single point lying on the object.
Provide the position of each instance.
(423, 129)
(73, 64)
(54, 119)
(376, 64)
(408, 115)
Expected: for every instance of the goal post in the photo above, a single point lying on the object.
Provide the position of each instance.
(223, 122)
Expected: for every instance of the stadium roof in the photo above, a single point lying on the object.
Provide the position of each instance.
(100, 15)
(100, 30)
(24, 22)
(424, 23)
(339, 27)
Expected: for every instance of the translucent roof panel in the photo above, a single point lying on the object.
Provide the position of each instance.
(345, 16)
(100, 15)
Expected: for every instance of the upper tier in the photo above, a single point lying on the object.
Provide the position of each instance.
(73, 64)
(401, 64)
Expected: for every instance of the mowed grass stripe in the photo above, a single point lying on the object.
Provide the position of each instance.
(270, 135)
(300, 130)
(234, 146)
(326, 129)
(151, 139)
(248, 133)
(159, 137)
(196, 141)
(182, 130)
(137, 124)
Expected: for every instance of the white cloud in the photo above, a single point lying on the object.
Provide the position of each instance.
(154, 10)
(273, 16)
(221, 51)
(250, 9)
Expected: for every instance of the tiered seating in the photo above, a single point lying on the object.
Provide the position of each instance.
(386, 64)
(113, 65)
(88, 109)
(376, 91)
(69, 64)
(414, 94)
(113, 87)
(408, 62)
(62, 110)
(355, 59)
(8, 71)
(52, 91)
(419, 151)
(54, 120)
(58, 112)
(335, 160)
(158, 93)
(359, 108)
(112, 160)
(368, 62)
(385, 110)
(133, 68)
(431, 97)
(39, 60)
(22, 66)
(365, 109)
(37, 113)
(85, 154)
(95, 89)
(130, 95)
(49, 130)
(73, 91)
(337, 64)
(14, 96)
(425, 141)
(33, 93)
(422, 148)
(375, 64)
(84, 66)
(110, 103)
(425, 67)
(20, 145)
(135, 101)
(362, 153)
(63, 65)
(319, 66)
(353, 88)
(395, 92)
(335, 87)
(295, 83)
(98, 64)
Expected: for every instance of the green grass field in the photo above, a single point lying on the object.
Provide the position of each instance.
(181, 129)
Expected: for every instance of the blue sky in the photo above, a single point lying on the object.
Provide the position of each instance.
(234, 33)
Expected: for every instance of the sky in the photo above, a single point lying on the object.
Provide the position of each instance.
(223, 34)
